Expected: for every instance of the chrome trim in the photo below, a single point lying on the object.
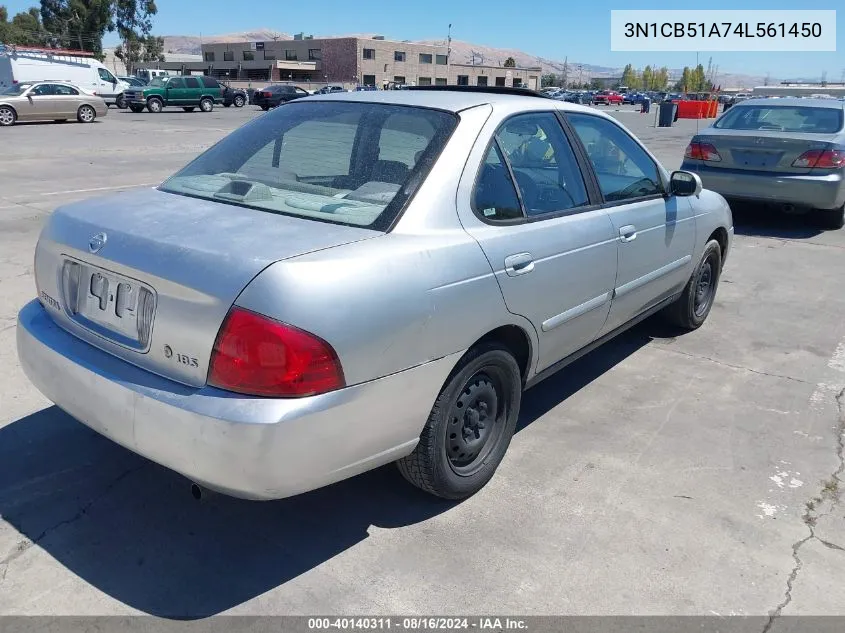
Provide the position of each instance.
(654, 274)
(572, 313)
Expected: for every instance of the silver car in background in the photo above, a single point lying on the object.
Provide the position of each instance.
(790, 152)
(363, 278)
(49, 101)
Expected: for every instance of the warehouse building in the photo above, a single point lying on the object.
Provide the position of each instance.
(349, 61)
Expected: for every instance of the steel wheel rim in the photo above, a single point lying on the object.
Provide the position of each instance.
(86, 114)
(6, 116)
(205, 106)
(476, 421)
(239, 102)
(154, 106)
(704, 286)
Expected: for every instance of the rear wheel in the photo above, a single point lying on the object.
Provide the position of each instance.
(832, 218)
(7, 116)
(469, 427)
(239, 101)
(206, 105)
(690, 310)
(188, 108)
(86, 114)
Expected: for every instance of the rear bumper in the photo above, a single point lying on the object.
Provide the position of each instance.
(825, 191)
(254, 448)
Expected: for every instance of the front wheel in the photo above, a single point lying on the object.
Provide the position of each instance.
(120, 102)
(155, 105)
(690, 310)
(470, 425)
(239, 101)
(832, 219)
(86, 114)
(7, 116)
(206, 105)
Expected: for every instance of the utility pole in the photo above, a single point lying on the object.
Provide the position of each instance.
(566, 72)
(448, 54)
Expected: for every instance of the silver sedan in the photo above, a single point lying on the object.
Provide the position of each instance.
(49, 101)
(790, 152)
(363, 278)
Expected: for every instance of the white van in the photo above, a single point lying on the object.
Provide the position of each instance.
(148, 74)
(19, 64)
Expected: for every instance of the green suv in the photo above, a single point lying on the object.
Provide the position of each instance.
(188, 93)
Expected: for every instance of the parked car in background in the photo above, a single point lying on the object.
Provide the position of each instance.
(790, 152)
(368, 88)
(325, 90)
(277, 94)
(356, 279)
(237, 97)
(49, 101)
(188, 93)
(607, 97)
(21, 64)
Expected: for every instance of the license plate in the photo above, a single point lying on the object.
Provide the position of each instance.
(756, 159)
(112, 305)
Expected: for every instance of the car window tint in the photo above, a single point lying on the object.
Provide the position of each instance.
(623, 168)
(105, 75)
(403, 138)
(64, 90)
(192, 82)
(495, 195)
(176, 83)
(543, 163)
(782, 119)
(44, 90)
(210, 82)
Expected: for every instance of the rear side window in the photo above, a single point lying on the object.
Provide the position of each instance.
(782, 119)
(64, 90)
(322, 160)
(192, 82)
(495, 196)
(210, 82)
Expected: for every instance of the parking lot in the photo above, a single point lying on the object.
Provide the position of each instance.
(657, 475)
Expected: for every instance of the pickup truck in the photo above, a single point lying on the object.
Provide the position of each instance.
(607, 97)
(188, 92)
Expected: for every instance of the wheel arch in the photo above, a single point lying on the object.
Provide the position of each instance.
(721, 236)
(11, 107)
(515, 339)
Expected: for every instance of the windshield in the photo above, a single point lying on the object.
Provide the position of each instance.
(782, 119)
(341, 162)
(15, 91)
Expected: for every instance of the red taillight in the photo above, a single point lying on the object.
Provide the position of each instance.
(702, 151)
(259, 356)
(821, 159)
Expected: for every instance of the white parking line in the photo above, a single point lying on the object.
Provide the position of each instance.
(61, 193)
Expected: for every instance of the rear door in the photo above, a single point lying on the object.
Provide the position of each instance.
(193, 89)
(655, 232)
(66, 99)
(552, 250)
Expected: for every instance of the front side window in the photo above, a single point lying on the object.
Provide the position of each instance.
(543, 163)
(43, 90)
(105, 75)
(341, 162)
(624, 170)
(176, 83)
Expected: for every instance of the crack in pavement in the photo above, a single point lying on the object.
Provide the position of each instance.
(830, 492)
(26, 544)
(666, 348)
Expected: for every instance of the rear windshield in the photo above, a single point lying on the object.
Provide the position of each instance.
(782, 119)
(340, 162)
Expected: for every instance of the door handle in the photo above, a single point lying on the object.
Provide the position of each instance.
(628, 233)
(519, 264)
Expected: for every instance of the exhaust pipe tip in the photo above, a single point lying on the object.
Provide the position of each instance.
(197, 492)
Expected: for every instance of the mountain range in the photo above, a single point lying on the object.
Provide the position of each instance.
(462, 53)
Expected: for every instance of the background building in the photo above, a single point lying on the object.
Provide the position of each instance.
(349, 61)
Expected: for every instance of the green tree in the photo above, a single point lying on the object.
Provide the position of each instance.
(549, 79)
(510, 62)
(699, 79)
(647, 78)
(5, 26)
(685, 83)
(133, 51)
(630, 78)
(661, 78)
(78, 23)
(595, 84)
(27, 28)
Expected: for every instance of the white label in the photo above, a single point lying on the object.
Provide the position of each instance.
(712, 30)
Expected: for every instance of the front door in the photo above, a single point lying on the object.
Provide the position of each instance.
(176, 91)
(552, 251)
(655, 232)
(108, 84)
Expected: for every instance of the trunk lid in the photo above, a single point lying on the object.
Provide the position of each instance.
(166, 272)
(755, 150)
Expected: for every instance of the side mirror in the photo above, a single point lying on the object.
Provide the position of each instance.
(684, 183)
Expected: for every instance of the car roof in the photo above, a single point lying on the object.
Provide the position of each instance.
(794, 101)
(451, 100)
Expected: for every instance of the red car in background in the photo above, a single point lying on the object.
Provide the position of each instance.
(607, 97)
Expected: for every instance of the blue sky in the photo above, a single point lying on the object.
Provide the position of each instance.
(547, 28)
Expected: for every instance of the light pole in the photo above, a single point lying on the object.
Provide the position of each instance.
(448, 54)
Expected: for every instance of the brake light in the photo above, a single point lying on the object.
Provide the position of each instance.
(256, 355)
(702, 151)
(821, 159)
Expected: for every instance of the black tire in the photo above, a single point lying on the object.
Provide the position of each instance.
(206, 104)
(120, 102)
(265, 107)
(188, 108)
(86, 114)
(227, 105)
(690, 310)
(136, 109)
(831, 219)
(458, 453)
(239, 101)
(155, 105)
(8, 116)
